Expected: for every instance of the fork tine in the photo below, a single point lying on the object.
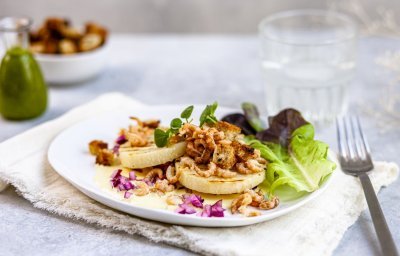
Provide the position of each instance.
(343, 149)
(355, 134)
(348, 139)
(364, 141)
(354, 151)
(339, 138)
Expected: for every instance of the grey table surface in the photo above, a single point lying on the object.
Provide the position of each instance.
(193, 69)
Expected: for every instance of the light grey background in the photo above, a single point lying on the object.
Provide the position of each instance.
(176, 16)
(159, 69)
(189, 70)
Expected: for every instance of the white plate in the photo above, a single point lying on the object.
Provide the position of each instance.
(68, 154)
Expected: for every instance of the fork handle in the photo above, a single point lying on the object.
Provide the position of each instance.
(382, 230)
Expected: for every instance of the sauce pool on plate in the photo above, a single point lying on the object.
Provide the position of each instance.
(154, 200)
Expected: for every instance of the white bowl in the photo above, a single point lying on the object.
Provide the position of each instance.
(74, 68)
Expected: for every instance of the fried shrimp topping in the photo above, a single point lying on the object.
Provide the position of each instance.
(217, 149)
(173, 200)
(163, 186)
(142, 188)
(255, 199)
(240, 204)
(153, 174)
(140, 135)
(172, 175)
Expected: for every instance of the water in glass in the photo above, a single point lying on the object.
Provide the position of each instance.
(308, 60)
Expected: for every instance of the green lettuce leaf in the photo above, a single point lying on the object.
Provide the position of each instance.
(302, 165)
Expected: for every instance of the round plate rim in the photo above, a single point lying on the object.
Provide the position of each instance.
(165, 215)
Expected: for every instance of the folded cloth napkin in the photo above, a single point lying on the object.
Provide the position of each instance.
(314, 229)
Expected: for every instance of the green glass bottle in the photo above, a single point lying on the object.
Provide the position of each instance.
(23, 92)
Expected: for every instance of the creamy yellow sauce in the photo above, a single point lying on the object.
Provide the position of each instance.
(153, 199)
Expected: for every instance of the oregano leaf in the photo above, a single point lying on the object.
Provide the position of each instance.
(187, 112)
(161, 137)
(176, 124)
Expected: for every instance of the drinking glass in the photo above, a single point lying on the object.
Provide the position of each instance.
(308, 60)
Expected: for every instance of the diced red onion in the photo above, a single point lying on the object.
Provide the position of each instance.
(128, 185)
(127, 194)
(114, 183)
(116, 174)
(194, 199)
(121, 140)
(118, 142)
(115, 178)
(206, 211)
(123, 179)
(217, 210)
(185, 209)
(132, 175)
(116, 149)
(148, 182)
(121, 187)
(122, 183)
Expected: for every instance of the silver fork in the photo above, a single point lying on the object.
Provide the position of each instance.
(355, 159)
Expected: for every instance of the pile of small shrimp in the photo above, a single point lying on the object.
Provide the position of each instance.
(253, 198)
(139, 135)
(154, 180)
(218, 150)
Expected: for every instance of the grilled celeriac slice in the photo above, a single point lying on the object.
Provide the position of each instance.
(218, 185)
(142, 157)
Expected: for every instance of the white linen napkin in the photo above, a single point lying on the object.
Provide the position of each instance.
(314, 229)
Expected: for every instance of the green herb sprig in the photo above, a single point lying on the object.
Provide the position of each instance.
(187, 113)
(162, 137)
(208, 115)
